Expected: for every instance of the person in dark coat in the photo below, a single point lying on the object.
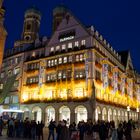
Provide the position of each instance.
(1, 126)
(58, 130)
(51, 130)
(41, 126)
(102, 131)
(120, 132)
(81, 127)
(64, 135)
(128, 131)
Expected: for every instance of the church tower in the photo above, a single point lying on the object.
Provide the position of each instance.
(31, 25)
(58, 14)
(3, 33)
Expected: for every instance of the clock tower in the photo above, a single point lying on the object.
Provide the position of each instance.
(3, 33)
(31, 25)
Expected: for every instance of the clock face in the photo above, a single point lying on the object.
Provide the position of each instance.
(27, 37)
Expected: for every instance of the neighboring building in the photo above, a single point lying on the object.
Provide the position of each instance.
(75, 75)
(3, 33)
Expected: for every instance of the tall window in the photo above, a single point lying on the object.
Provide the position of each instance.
(33, 54)
(64, 74)
(77, 58)
(14, 99)
(98, 75)
(48, 77)
(16, 83)
(70, 58)
(81, 57)
(17, 71)
(60, 75)
(55, 62)
(2, 75)
(52, 62)
(60, 60)
(79, 92)
(65, 59)
(1, 86)
(49, 63)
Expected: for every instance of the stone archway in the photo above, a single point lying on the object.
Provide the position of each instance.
(26, 113)
(110, 114)
(104, 114)
(81, 114)
(64, 114)
(98, 114)
(49, 115)
(37, 114)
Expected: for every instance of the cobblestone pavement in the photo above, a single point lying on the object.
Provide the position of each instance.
(135, 135)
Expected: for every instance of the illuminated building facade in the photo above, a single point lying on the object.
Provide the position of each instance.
(75, 75)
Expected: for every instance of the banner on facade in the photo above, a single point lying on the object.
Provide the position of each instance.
(41, 73)
(138, 93)
(105, 75)
(115, 79)
(86, 68)
(130, 88)
(122, 86)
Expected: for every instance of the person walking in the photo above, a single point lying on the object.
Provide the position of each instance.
(120, 132)
(51, 130)
(64, 135)
(128, 131)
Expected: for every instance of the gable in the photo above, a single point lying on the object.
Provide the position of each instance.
(129, 65)
(70, 28)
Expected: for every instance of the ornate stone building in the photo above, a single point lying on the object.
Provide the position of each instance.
(74, 75)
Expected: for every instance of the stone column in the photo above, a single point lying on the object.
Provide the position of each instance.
(72, 117)
(90, 115)
(43, 116)
(57, 116)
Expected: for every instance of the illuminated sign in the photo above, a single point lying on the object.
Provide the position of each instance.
(66, 38)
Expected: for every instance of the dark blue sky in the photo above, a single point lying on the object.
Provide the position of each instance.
(117, 20)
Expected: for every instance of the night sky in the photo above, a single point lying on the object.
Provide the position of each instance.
(117, 20)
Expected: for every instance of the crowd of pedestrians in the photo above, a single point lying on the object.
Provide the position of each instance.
(91, 131)
(101, 130)
(23, 129)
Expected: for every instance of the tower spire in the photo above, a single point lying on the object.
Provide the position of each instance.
(1, 2)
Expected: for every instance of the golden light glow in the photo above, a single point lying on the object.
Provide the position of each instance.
(117, 98)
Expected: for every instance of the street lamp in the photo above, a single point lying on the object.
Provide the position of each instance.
(128, 110)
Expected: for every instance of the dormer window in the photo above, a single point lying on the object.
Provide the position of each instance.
(57, 48)
(33, 54)
(83, 42)
(52, 49)
(70, 46)
(76, 44)
(63, 47)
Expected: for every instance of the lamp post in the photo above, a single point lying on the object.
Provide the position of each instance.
(128, 110)
(138, 113)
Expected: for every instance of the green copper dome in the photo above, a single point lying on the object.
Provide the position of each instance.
(33, 9)
(59, 9)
